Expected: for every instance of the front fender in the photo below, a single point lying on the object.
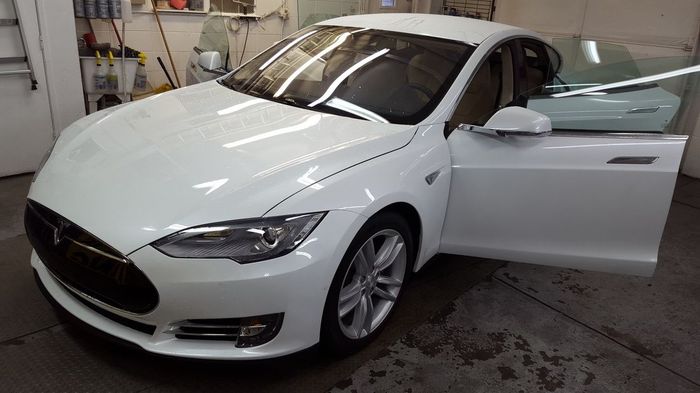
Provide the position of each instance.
(398, 176)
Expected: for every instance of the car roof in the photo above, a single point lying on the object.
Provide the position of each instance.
(458, 28)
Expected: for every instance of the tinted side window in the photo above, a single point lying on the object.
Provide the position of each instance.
(491, 88)
(601, 87)
(541, 64)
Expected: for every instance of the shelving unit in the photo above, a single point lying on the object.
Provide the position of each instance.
(170, 11)
(477, 9)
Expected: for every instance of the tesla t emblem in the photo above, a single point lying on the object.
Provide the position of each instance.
(58, 232)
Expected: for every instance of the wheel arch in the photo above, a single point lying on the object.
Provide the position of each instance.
(411, 214)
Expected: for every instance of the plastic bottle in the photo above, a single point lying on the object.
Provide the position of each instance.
(79, 8)
(141, 78)
(112, 77)
(115, 9)
(103, 9)
(90, 9)
(100, 74)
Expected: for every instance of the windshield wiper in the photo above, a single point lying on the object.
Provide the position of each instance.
(222, 82)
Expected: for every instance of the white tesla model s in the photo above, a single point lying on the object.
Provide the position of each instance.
(287, 202)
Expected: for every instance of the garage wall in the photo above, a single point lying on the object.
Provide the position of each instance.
(29, 119)
(648, 28)
(182, 32)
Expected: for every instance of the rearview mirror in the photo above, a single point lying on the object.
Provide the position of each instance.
(514, 120)
(209, 61)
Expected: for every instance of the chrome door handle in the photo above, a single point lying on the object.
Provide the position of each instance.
(635, 160)
(650, 109)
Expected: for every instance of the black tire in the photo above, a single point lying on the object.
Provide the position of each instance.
(333, 341)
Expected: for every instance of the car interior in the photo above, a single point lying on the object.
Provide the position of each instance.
(489, 90)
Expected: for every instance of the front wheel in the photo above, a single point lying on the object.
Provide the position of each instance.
(368, 284)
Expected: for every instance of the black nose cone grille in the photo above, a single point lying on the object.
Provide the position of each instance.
(87, 264)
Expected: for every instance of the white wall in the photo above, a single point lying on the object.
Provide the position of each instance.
(61, 62)
(182, 32)
(29, 119)
(311, 10)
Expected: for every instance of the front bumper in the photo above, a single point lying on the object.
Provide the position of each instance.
(295, 284)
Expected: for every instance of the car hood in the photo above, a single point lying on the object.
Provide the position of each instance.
(135, 173)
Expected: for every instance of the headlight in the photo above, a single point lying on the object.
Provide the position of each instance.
(243, 241)
(44, 159)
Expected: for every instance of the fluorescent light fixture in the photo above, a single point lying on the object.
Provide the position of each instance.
(344, 75)
(590, 51)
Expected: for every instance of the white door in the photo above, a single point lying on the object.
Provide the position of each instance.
(595, 200)
(214, 38)
(26, 130)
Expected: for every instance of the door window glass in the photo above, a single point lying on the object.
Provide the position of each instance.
(539, 68)
(602, 87)
(490, 89)
(214, 35)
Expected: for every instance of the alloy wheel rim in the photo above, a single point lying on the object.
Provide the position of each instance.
(372, 284)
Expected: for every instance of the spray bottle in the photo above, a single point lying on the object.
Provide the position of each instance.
(112, 77)
(141, 75)
(100, 74)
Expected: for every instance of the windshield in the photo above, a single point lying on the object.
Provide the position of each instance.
(363, 73)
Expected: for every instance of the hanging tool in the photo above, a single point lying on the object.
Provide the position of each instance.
(165, 41)
(165, 70)
(21, 59)
(116, 31)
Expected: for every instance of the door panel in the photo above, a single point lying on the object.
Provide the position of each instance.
(594, 194)
(557, 201)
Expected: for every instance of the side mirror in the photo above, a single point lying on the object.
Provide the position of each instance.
(514, 120)
(209, 61)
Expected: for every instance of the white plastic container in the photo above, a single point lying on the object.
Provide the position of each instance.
(88, 67)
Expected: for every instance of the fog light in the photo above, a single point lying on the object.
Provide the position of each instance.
(259, 330)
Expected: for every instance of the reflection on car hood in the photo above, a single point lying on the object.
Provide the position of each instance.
(197, 155)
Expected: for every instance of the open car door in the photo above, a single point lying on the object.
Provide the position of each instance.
(528, 188)
(210, 59)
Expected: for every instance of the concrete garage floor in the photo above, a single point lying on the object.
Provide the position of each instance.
(465, 324)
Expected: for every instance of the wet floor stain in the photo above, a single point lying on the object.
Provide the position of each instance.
(470, 344)
(566, 281)
(630, 341)
(507, 373)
